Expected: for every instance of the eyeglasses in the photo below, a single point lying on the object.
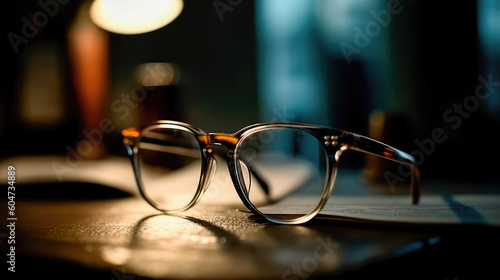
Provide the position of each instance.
(174, 163)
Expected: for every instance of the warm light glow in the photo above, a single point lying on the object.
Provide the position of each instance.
(156, 74)
(134, 16)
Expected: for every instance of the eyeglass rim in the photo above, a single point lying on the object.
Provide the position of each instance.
(335, 142)
(331, 171)
(138, 132)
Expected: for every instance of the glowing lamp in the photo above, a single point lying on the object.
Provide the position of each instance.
(134, 16)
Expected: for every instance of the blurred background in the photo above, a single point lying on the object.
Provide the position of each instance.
(423, 76)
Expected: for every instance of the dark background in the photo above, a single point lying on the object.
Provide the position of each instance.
(436, 56)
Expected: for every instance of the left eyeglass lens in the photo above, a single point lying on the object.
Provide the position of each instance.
(170, 165)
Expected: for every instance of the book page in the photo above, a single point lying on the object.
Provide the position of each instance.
(433, 209)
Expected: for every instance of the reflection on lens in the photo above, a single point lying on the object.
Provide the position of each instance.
(169, 163)
(292, 163)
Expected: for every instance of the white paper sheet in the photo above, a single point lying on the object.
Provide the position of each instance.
(433, 209)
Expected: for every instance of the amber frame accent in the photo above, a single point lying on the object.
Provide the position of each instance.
(334, 141)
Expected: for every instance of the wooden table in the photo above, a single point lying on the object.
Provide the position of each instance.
(103, 233)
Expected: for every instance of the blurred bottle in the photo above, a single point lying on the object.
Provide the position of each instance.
(396, 129)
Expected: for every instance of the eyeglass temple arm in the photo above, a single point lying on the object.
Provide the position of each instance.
(262, 182)
(371, 146)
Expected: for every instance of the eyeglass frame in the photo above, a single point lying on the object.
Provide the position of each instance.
(334, 142)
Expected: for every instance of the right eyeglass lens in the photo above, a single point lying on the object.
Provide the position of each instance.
(170, 165)
(284, 172)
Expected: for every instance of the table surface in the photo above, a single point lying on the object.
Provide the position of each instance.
(118, 236)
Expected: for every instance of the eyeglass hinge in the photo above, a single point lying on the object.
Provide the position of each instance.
(334, 140)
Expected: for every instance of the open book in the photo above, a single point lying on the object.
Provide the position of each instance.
(481, 209)
(433, 209)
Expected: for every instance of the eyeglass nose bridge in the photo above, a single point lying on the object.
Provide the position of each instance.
(223, 139)
(211, 140)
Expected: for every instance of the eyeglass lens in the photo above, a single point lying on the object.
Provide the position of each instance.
(292, 163)
(170, 165)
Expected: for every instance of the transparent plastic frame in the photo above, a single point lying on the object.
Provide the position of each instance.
(334, 142)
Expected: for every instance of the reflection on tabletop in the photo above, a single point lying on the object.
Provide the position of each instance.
(127, 235)
(123, 234)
